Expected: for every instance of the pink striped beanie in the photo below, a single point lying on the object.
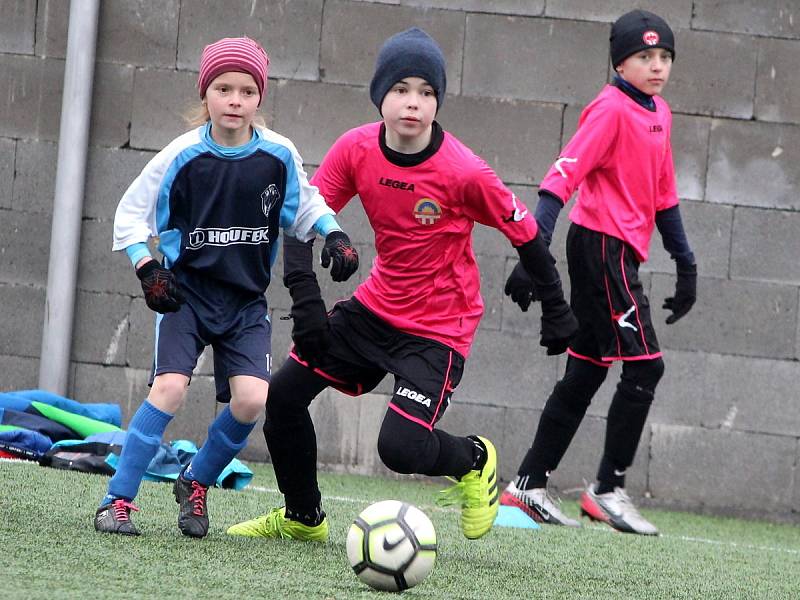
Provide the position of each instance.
(233, 54)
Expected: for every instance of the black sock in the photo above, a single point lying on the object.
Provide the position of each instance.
(479, 454)
(312, 517)
(604, 487)
(528, 482)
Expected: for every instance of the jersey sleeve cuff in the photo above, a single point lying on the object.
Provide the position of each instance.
(137, 252)
(325, 224)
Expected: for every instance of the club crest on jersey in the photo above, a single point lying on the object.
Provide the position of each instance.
(427, 211)
(269, 197)
(650, 37)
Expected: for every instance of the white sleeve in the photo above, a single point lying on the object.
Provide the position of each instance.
(135, 219)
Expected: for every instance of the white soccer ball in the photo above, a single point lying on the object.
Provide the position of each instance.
(391, 545)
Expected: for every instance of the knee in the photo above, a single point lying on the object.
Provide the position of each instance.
(168, 392)
(580, 383)
(639, 379)
(645, 373)
(394, 454)
(405, 453)
(248, 398)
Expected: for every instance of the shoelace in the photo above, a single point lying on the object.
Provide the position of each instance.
(277, 520)
(452, 495)
(122, 510)
(626, 504)
(198, 497)
(547, 501)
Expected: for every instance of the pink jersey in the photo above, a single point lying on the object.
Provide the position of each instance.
(621, 160)
(424, 280)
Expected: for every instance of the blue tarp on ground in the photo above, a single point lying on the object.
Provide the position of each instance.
(20, 401)
(33, 436)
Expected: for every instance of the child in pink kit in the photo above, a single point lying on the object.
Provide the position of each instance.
(416, 314)
(620, 160)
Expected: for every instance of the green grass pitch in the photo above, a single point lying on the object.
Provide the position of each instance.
(49, 549)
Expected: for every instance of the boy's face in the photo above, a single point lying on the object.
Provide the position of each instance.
(232, 101)
(409, 107)
(648, 70)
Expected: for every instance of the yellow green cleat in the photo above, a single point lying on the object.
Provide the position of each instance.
(275, 525)
(478, 495)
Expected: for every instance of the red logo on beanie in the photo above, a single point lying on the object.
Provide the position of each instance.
(650, 37)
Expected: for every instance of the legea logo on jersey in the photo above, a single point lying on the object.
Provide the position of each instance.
(228, 236)
(427, 211)
(269, 197)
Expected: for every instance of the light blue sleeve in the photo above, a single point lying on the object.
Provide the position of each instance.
(137, 252)
(325, 224)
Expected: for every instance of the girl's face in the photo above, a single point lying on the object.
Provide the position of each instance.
(648, 70)
(232, 100)
(408, 110)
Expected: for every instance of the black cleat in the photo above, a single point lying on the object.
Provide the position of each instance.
(116, 518)
(193, 516)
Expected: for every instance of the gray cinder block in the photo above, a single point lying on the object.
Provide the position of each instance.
(289, 30)
(543, 50)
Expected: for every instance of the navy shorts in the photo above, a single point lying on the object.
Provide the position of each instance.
(364, 348)
(240, 338)
(608, 300)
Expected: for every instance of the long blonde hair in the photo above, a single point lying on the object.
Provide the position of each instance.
(197, 114)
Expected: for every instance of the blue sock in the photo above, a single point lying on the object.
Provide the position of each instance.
(226, 438)
(140, 446)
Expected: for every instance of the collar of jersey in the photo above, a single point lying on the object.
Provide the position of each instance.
(411, 160)
(230, 151)
(634, 93)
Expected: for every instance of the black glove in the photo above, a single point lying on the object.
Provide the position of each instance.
(559, 325)
(685, 293)
(341, 253)
(519, 286)
(310, 329)
(161, 291)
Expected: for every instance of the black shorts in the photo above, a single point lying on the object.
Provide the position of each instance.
(240, 338)
(364, 348)
(608, 300)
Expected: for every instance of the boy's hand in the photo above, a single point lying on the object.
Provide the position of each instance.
(339, 251)
(161, 291)
(559, 324)
(685, 293)
(519, 286)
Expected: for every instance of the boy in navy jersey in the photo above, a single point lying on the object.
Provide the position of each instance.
(415, 315)
(621, 161)
(215, 197)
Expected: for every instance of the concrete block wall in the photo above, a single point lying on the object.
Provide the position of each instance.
(724, 433)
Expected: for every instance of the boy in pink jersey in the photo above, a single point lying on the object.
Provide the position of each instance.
(620, 160)
(416, 313)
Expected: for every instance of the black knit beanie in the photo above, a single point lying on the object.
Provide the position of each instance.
(410, 53)
(639, 30)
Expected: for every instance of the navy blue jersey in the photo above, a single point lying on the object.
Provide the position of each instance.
(217, 210)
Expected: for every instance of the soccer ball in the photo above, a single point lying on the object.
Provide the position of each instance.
(391, 545)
